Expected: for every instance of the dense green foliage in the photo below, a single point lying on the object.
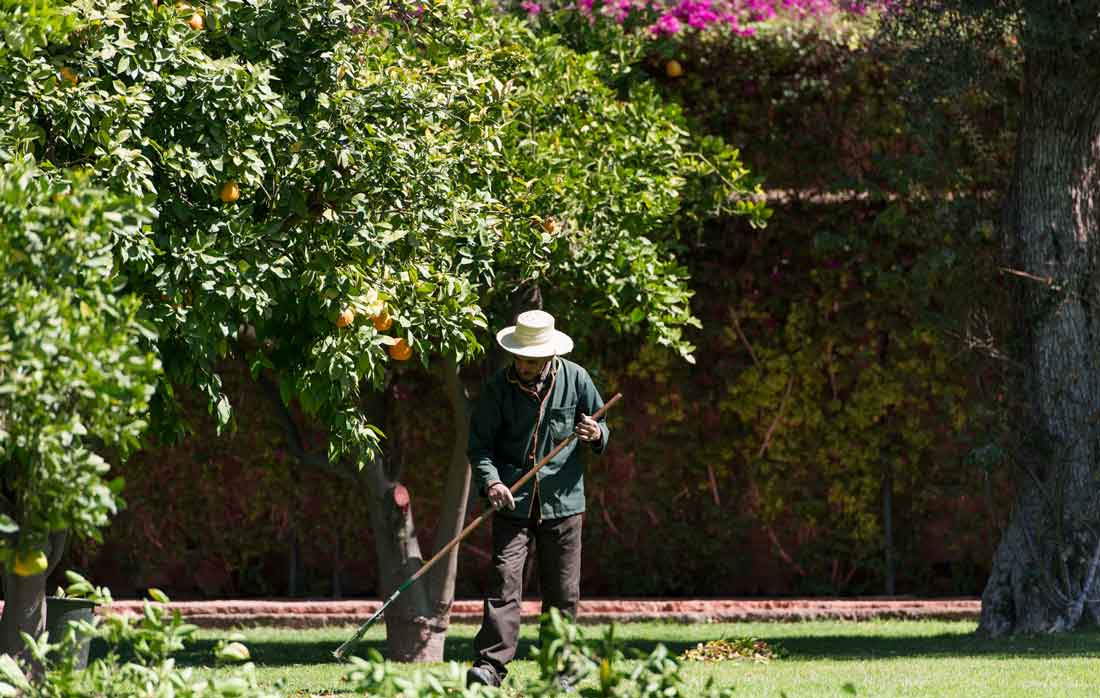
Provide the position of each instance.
(382, 169)
(75, 378)
(138, 661)
(852, 346)
(432, 164)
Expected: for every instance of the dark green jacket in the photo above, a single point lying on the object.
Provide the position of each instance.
(510, 432)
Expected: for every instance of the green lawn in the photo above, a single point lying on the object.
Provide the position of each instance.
(888, 658)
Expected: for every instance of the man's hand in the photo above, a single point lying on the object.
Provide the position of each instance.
(588, 429)
(500, 496)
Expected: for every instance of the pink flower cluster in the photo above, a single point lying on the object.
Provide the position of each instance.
(700, 14)
(666, 18)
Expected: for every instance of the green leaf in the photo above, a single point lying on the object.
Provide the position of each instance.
(232, 652)
(12, 674)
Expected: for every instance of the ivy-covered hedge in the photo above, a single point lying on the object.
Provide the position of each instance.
(846, 353)
(847, 349)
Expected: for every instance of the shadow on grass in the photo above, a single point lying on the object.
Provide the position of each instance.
(864, 647)
(279, 653)
(796, 647)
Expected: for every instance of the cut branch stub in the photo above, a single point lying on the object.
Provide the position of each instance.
(400, 496)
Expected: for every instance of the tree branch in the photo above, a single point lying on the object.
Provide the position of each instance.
(294, 435)
(775, 422)
(740, 333)
(779, 549)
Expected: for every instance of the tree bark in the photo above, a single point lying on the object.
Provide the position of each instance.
(25, 601)
(1044, 570)
(417, 622)
(441, 580)
(413, 631)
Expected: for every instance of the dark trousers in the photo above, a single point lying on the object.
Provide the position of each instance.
(558, 547)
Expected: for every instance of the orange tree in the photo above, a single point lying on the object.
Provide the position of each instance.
(311, 164)
(76, 374)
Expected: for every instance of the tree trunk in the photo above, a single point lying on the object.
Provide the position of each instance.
(338, 570)
(25, 601)
(441, 580)
(888, 530)
(294, 560)
(417, 622)
(413, 631)
(1044, 569)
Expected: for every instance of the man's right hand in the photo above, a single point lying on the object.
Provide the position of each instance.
(500, 496)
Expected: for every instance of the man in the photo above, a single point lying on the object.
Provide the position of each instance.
(523, 412)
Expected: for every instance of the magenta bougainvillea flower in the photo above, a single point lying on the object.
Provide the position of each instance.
(667, 18)
(667, 25)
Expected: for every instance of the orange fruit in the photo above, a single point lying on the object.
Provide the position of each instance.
(68, 75)
(346, 316)
(30, 564)
(229, 192)
(196, 22)
(382, 321)
(673, 69)
(401, 351)
(549, 225)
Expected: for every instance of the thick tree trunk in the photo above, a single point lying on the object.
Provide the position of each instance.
(413, 630)
(25, 601)
(24, 610)
(417, 622)
(441, 580)
(1044, 570)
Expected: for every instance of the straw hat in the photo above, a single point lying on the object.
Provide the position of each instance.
(534, 337)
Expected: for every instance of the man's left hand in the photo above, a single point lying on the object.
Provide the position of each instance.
(588, 429)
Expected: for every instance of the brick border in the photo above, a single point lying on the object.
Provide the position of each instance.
(298, 613)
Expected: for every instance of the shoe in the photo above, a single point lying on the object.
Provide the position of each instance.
(479, 673)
